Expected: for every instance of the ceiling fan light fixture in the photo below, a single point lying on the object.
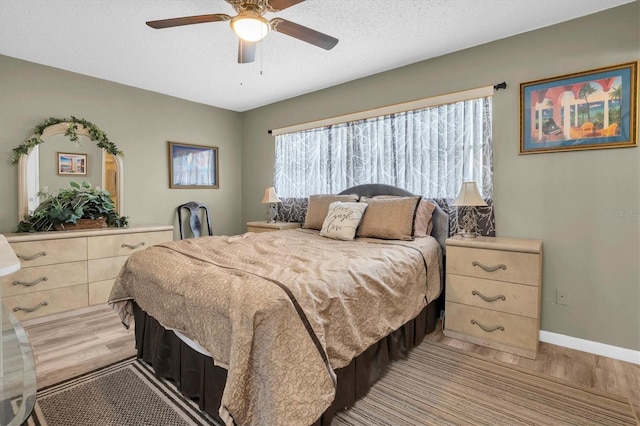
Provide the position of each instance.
(250, 26)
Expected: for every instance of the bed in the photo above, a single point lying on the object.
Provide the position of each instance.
(283, 327)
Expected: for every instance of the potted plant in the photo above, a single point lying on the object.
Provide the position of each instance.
(78, 207)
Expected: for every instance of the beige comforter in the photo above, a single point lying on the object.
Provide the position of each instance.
(281, 310)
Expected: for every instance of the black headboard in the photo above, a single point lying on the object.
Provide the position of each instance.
(440, 219)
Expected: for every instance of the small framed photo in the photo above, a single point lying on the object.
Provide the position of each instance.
(586, 110)
(193, 166)
(72, 164)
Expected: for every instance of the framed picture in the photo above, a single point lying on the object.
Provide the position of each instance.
(72, 164)
(193, 166)
(586, 110)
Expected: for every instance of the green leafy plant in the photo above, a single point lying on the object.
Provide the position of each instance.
(95, 134)
(81, 201)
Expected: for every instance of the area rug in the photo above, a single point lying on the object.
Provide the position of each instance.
(124, 394)
(435, 385)
(439, 385)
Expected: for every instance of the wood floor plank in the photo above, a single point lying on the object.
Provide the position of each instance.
(72, 345)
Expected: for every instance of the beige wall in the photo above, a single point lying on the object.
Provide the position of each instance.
(139, 122)
(562, 198)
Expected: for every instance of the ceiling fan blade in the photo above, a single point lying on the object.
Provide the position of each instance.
(303, 33)
(277, 5)
(188, 20)
(246, 51)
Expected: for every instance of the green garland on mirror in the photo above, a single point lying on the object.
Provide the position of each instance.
(95, 134)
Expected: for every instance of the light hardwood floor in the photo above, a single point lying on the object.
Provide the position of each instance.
(69, 346)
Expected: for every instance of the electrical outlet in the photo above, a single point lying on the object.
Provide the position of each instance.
(562, 297)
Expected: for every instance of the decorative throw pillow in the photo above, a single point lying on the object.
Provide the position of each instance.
(342, 220)
(423, 225)
(389, 218)
(319, 206)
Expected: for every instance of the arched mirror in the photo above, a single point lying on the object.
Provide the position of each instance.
(40, 169)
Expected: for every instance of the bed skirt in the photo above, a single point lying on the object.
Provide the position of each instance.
(197, 378)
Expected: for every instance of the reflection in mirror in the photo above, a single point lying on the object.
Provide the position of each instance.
(39, 170)
(110, 176)
(52, 178)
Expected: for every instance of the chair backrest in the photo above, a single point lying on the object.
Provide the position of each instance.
(194, 224)
(587, 126)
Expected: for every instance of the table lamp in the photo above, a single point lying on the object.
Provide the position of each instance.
(469, 196)
(272, 199)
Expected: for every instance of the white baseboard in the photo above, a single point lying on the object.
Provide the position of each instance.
(591, 347)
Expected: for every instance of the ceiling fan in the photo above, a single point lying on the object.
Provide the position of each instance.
(251, 26)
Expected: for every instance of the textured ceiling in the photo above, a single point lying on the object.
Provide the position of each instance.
(108, 39)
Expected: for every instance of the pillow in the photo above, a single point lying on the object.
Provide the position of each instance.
(319, 206)
(423, 225)
(342, 220)
(389, 218)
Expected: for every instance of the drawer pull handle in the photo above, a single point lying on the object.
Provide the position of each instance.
(488, 299)
(35, 256)
(490, 268)
(140, 244)
(487, 329)
(35, 308)
(27, 284)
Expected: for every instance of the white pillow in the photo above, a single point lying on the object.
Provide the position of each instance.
(342, 220)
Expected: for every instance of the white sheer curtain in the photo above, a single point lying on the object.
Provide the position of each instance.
(429, 152)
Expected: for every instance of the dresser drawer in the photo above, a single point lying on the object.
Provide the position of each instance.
(105, 268)
(515, 330)
(40, 278)
(125, 244)
(500, 296)
(57, 300)
(99, 291)
(517, 267)
(50, 252)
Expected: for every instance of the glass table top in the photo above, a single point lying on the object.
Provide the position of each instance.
(17, 372)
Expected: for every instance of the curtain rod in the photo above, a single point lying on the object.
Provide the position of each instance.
(395, 108)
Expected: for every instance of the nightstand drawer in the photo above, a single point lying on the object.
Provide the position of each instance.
(523, 268)
(256, 229)
(493, 326)
(263, 226)
(495, 295)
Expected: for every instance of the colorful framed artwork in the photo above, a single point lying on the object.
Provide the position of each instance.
(193, 166)
(72, 164)
(586, 110)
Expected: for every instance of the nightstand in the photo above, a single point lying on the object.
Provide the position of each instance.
(264, 226)
(493, 292)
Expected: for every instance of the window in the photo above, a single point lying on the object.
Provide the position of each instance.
(428, 151)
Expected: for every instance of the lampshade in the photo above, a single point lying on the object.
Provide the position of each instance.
(469, 196)
(9, 263)
(250, 26)
(270, 196)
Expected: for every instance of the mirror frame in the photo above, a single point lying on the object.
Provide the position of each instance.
(57, 129)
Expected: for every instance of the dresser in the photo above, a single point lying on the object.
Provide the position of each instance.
(62, 271)
(493, 289)
(264, 226)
